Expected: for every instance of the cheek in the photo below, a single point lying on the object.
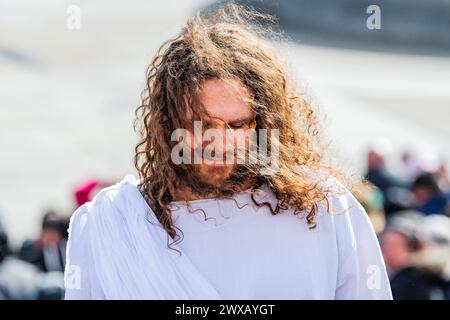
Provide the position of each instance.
(193, 141)
(243, 138)
(395, 251)
(421, 194)
(389, 247)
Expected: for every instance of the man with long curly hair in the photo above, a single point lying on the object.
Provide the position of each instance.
(234, 199)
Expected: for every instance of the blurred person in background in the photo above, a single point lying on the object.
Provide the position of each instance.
(4, 250)
(371, 199)
(436, 237)
(395, 189)
(21, 280)
(419, 160)
(47, 251)
(399, 240)
(85, 191)
(428, 196)
(16, 276)
(416, 252)
(409, 168)
(443, 177)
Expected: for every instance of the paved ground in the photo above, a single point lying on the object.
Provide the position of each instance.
(67, 97)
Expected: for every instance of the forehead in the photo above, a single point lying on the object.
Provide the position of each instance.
(226, 99)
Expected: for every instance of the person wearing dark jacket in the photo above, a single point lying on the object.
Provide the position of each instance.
(429, 199)
(395, 190)
(417, 254)
(47, 252)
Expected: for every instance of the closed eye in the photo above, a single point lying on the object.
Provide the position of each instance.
(245, 123)
(236, 125)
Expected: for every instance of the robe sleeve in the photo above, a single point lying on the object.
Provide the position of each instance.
(361, 270)
(76, 274)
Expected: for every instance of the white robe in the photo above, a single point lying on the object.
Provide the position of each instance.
(118, 250)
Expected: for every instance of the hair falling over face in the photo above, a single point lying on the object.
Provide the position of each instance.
(228, 44)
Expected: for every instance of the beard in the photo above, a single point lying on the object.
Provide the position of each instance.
(216, 178)
(217, 181)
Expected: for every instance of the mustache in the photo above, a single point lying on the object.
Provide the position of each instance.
(232, 153)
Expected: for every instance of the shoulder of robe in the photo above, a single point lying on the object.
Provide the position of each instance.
(347, 215)
(108, 202)
(341, 199)
(341, 206)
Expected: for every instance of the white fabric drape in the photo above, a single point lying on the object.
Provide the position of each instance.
(117, 249)
(127, 252)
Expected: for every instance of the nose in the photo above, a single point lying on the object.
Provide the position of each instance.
(219, 139)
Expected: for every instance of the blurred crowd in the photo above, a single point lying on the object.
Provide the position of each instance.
(36, 270)
(409, 209)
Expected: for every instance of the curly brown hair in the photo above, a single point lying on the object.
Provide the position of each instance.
(226, 44)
